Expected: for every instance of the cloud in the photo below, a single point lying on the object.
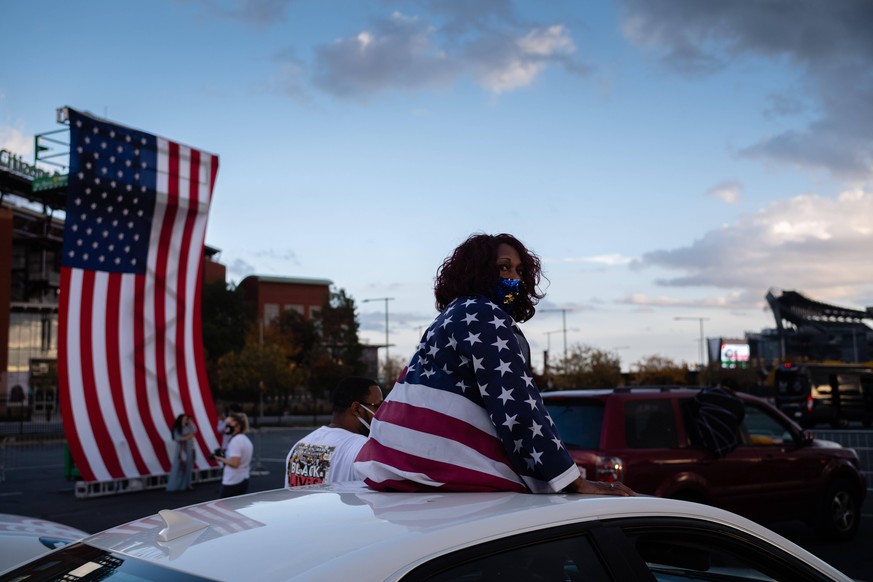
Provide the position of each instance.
(503, 64)
(263, 262)
(398, 53)
(14, 140)
(811, 243)
(611, 260)
(239, 269)
(732, 300)
(784, 105)
(286, 255)
(260, 13)
(829, 44)
(728, 191)
(290, 77)
(435, 49)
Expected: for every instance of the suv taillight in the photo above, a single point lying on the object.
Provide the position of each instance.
(809, 403)
(609, 469)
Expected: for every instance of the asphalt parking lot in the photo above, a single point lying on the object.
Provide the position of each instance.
(35, 486)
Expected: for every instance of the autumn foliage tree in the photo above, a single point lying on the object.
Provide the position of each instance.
(586, 367)
(293, 354)
(390, 370)
(225, 317)
(658, 370)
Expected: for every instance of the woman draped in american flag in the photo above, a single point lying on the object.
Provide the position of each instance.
(465, 414)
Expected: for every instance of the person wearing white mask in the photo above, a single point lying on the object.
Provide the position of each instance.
(237, 457)
(327, 454)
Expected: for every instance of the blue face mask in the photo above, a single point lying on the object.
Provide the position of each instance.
(506, 295)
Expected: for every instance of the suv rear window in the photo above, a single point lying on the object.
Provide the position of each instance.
(578, 421)
(650, 424)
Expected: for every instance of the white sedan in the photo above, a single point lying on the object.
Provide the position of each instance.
(347, 532)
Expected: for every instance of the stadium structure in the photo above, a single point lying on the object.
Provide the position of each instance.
(809, 330)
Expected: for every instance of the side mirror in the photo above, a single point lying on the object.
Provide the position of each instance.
(808, 437)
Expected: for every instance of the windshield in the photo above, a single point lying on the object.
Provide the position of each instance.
(85, 563)
(578, 421)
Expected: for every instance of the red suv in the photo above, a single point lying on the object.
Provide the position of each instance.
(645, 437)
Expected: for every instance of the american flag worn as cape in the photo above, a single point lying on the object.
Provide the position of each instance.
(130, 351)
(466, 415)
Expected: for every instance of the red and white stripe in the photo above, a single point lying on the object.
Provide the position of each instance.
(130, 346)
(410, 443)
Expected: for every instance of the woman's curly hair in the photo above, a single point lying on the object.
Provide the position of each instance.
(472, 270)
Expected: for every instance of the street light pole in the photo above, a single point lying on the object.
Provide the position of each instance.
(564, 328)
(386, 300)
(549, 338)
(700, 347)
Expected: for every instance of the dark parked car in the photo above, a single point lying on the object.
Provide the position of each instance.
(645, 437)
(832, 394)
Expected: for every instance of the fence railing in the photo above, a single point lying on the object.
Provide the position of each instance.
(860, 440)
(18, 441)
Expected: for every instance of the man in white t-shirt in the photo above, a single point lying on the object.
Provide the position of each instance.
(327, 455)
(237, 457)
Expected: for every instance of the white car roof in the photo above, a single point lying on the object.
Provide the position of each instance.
(346, 531)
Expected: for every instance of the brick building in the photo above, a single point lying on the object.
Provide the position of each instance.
(273, 295)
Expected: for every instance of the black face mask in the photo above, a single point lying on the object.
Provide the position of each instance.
(229, 429)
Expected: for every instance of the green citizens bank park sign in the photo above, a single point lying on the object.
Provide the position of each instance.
(42, 180)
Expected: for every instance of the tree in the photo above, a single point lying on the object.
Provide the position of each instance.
(390, 370)
(339, 331)
(225, 317)
(660, 371)
(297, 341)
(255, 371)
(293, 352)
(586, 367)
(741, 379)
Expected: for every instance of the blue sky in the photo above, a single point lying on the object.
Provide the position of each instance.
(665, 158)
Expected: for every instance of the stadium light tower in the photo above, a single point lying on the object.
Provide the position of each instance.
(564, 328)
(700, 347)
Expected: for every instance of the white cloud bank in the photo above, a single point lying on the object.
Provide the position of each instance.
(814, 244)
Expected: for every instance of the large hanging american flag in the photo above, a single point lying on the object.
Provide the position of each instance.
(130, 352)
(466, 414)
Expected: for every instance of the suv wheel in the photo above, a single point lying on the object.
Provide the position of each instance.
(839, 513)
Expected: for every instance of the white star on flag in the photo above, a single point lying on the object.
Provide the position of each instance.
(500, 344)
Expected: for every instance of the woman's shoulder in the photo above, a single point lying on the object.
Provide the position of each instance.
(483, 308)
(471, 303)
